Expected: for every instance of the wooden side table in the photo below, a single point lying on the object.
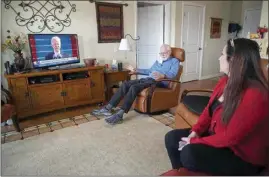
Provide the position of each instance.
(113, 78)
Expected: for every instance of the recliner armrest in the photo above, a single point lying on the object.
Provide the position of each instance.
(169, 80)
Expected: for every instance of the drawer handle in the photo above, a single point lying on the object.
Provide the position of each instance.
(26, 94)
(92, 84)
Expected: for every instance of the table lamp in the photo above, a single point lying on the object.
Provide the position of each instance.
(125, 46)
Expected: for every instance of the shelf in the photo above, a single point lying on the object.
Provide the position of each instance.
(41, 80)
(76, 80)
(75, 75)
(38, 85)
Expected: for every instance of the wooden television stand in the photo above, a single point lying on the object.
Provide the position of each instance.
(44, 91)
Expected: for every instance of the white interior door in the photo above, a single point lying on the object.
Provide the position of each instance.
(150, 31)
(251, 21)
(192, 41)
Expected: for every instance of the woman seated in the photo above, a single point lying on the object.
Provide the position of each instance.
(232, 134)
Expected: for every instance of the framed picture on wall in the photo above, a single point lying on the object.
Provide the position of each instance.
(215, 29)
(109, 18)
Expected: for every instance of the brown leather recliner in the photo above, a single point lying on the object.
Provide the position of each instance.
(191, 106)
(152, 100)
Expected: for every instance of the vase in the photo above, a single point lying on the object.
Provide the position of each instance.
(19, 60)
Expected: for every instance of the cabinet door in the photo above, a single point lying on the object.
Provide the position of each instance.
(97, 85)
(20, 94)
(77, 92)
(47, 96)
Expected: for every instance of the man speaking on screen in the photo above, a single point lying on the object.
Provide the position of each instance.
(56, 45)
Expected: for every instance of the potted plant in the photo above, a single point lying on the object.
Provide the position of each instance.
(16, 43)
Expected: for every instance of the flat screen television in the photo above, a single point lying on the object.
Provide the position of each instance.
(48, 50)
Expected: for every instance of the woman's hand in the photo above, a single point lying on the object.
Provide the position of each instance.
(186, 139)
(193, 135)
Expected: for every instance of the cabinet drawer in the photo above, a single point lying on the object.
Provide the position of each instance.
(115, 77)
(18, 82)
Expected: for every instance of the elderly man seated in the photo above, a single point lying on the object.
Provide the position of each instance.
(165, 67)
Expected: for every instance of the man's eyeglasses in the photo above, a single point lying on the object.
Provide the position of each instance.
(163, 53)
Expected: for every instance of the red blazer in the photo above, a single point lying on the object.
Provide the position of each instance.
(247, 133)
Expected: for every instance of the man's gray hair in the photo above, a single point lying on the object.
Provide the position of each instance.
(167, 47)
(55, 38)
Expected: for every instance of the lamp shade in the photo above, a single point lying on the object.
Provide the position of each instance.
(124, 45)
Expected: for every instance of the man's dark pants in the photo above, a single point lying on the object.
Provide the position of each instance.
(129, 90)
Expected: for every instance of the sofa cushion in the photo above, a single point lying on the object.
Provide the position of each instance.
(196, 103)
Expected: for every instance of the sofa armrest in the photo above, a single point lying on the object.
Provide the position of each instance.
(186, 91)
(183, 172)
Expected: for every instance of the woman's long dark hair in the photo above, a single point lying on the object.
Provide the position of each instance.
(244, 68)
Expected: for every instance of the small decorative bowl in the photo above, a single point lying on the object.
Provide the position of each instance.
(89, 61)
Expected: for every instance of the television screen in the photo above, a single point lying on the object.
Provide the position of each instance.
(53, 49)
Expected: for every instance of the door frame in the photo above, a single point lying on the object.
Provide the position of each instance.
(167, 30)
(203, 32)
(244, 17)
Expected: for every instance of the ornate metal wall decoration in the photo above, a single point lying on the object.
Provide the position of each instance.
(37, 15)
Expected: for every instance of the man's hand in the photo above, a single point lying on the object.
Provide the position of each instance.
(131, 69)
(157, 76)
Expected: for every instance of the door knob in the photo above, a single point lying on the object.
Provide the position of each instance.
(200, 48)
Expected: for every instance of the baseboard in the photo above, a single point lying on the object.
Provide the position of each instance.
(211, 76)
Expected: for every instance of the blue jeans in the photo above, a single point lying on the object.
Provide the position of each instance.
(129, 90)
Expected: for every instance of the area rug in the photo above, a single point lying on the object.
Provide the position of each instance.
(135, 147)
(9, 134)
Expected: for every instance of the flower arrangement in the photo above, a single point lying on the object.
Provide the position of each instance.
(262, 30)
(16, 43)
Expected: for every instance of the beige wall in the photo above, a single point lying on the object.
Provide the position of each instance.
(264, 15)
(236, 11)
(83, 24)
(212, 47)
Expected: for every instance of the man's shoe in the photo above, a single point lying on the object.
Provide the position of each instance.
(101, 112)
(114, 119)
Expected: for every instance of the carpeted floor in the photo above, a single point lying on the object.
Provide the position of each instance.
(135, 147)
